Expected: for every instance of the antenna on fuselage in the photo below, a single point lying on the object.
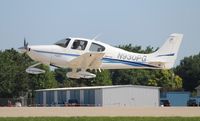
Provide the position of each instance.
(96, 36)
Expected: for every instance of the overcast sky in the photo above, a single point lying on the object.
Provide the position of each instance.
(139, 22)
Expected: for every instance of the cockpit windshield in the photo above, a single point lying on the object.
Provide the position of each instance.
(63, 42)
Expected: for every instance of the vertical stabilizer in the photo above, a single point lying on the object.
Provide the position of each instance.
(168, 52)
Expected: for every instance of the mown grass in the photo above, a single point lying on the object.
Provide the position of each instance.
(101, 119)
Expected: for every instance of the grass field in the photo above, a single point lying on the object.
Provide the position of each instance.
(102, 119)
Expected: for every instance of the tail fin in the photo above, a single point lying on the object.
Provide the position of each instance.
(167, 54)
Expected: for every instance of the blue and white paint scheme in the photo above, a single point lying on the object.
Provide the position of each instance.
(81, 54)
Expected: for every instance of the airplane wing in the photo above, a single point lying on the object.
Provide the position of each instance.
(87, 61)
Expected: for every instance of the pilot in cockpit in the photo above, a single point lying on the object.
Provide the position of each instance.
(79, 44)
(79, 47)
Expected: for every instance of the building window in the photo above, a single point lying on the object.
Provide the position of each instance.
(75, 94)
(62, 97)
(50, 98)
(39, 98)
(89, 97)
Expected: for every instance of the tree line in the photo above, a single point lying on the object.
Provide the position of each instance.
(15, 82)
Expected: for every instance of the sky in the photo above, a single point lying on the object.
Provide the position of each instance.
(117, 22)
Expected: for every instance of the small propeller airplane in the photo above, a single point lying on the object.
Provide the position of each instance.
(81, 54)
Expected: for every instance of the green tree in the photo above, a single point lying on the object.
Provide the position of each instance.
(102, 78)
(42, 81)
(152, 82)
(168, 80)
(189, 71)
(63, 81)
(178, 81)
(13, 80)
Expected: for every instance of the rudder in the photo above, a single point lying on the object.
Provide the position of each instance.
(168, 52)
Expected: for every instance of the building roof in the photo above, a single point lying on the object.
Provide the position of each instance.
(98, 87)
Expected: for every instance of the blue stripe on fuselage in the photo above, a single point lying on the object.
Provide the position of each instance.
(56, 53)
(131, 63)
(106, 60)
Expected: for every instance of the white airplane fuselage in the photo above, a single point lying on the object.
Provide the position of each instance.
(64, 52)
(114, 58)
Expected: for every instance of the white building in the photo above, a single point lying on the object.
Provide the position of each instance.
(117, 95)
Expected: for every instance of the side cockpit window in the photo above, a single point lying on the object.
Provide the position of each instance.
(63, 42)
(96, 47)
(79, 44)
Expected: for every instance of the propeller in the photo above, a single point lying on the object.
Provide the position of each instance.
(25, 47)
(25, 44)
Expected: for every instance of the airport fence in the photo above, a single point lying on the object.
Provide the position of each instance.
(30, 102)
(17, 102)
